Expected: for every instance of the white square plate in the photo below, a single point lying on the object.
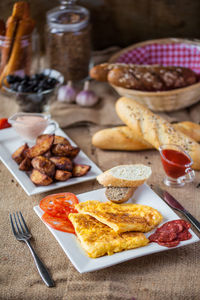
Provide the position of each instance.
(10, 141)
(70, 245)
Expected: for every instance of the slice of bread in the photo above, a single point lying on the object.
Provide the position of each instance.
(119, 194)
(125, 176)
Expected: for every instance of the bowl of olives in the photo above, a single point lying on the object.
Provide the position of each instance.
(33, 93)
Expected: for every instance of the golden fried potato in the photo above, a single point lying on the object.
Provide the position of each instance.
(61, 140)
(80, 170)
(25, 165)
(62, 163)
(44, 165)
(41, 138)
(39, 178)
(20, 153)
(74, 152)
(65, 150)
(62, 175)
(41, 147)
(57, 139)
(47, 154)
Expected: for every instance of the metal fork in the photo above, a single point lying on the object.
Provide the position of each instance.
(22, 233)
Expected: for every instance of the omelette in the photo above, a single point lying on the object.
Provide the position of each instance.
(98, 239)
(123, 217)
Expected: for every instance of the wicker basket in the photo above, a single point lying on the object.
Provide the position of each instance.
(165, 100)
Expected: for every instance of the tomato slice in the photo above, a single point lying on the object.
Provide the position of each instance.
(4, 123)
(58, 223)
(59, 205)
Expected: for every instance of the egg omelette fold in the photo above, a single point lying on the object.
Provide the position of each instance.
(123, 217)
(98, 239)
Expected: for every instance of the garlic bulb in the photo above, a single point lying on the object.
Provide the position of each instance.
(86, 97)
(67, 93)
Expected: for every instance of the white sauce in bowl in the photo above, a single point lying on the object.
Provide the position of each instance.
(30, 127)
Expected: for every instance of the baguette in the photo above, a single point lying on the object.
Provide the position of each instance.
(123, 138)
(154, 129)
(119, 138)
(189, 128)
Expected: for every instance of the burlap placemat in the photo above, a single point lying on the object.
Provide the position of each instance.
(101, 114)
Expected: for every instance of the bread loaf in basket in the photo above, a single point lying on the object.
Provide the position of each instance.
(162, 52)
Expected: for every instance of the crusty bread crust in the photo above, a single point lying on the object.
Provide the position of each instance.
(154, 129)
(144, 77)
(191, 129)
(119, 138)
(123, 138)
(107, 179)
(119, 196)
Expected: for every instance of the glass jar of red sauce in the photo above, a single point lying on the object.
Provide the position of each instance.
(177, 165)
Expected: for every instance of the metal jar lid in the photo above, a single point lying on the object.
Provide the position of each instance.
(57, 19)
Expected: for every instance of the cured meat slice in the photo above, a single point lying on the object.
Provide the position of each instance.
(171, 233)
(184, 235)
(167, 236)
(169, 244)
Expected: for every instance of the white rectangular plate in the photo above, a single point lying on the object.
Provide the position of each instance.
(70, 245)
(10, 141)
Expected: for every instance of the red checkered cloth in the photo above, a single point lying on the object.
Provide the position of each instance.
(180, 54)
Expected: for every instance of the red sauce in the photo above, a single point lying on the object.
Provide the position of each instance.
(174, 162)
(4, 123)
(171, 233)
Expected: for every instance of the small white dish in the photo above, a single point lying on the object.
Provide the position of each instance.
(10, 141)
(70, 244)
(30, 125)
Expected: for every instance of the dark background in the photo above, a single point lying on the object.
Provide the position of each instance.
(124, 22)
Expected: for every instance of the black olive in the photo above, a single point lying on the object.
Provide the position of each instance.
(34, 77)
(26, 77)
(54, 81)
(14, 86)
(11, 78)
(40, 90)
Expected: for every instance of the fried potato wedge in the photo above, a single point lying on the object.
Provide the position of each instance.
(65, 150)
(39, 178)
(20, 153)
(74, 152)
(41, 138)
(61, 140)
(62, 175)
(41, 147)
(62, 163)
(47, 154)
(57, 139)
(44, 165)
(80, 170)
(25, 165)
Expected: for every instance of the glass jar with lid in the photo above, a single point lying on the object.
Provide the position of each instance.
(68, 45)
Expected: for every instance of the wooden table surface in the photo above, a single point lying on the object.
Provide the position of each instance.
(168, 275)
